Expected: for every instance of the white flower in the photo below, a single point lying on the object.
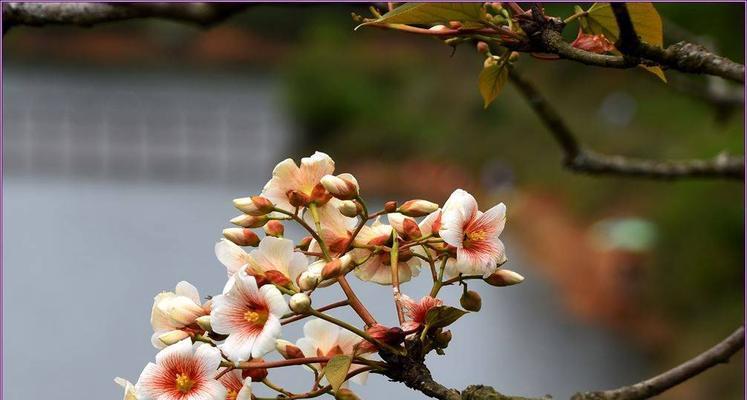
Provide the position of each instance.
(175, 312)
(287, 177)
(249, 315)
(324, 339)
(182, 371)
(336, 229)
(377, 268)
(237, 388)
(129, 389)
(272, 254)
(473, 233)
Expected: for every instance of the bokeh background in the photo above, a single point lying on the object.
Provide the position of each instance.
(124, 144)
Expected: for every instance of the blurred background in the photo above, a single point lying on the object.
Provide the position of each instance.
(123, 145)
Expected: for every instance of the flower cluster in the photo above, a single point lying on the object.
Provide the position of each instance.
(214, 350)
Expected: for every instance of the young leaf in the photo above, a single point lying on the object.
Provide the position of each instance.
(646, 21)
(337, 370)
(442, 316)
(492, 79)
(469, 14)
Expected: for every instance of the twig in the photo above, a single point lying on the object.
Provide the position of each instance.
(328, 307)
(718, 354)
(582, 160)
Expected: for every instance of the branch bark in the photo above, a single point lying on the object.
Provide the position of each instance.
(89, 14)
(587, 161)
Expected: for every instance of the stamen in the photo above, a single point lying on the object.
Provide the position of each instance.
(184, 383)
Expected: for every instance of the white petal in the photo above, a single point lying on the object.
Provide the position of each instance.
(209, 358)
(211, 390)
(246, 390)
(186, 289)
(274, 300)
(315, 167)
(182, 349)
(265, 342)
(323, 333)
(220, 316)
(238, 346)
(231, 255)
(297, 265)
(460, 208)
(396, 220)
(426, 225)
(273, 254)
(146, 383)
(496, 218)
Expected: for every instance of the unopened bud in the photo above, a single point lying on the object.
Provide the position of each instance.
(438, 28)
(257, 373)
(300, 303)
(297, 199)
(470, 300)
(332, 269)
(443, 338)
(288, 350)
(417, 208)
(304, 243)
(204, 323)
(255, 205)
(249, 221)
(455, 24)
(482, 47)
(411, 229)
(274, 228)
(489, 62)
(390, 206)
(346, 394)
(308, 280)
(173, 337)
(343, 186)
(241, 236)
(319, 195)
(513, 56)
(277, 278)
(504, 277)
(348, 208)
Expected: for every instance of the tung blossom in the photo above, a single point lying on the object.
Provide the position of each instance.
(182, 371)
(336, 229)
(129, 389)
(174, 314)
(377, 268)
(237, 388)
(249, 315)
(272, 254)
(289, 179)
(415, 311)
(324, 339)
(473, 233)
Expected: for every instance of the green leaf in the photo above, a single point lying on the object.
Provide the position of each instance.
(469, 14)
(337, 370)
(492, 79)
(646, 21)
(442, 316)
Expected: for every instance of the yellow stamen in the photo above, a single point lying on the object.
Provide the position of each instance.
(256, 317)
(476, 235)
(231, 395)
(184, 383)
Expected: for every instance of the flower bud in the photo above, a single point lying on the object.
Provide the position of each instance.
(304, 243)
(455, 24)
(288, 350)
(297, 199)
(308, 280)
(300, 303)
(482, 47)
(258, 374)
(348, 208)
(443, 338)
(274, 228)
(332, 269)
(241, 236)
(438, 28)
(405, 255)
(204, 323)
(346, 394)
(411, 229)
(489, 62)
(470, 300)
(343, 186)
(254, 206)
(173, 337)
(277, 278)
(319, 195)
(417, 208)
(248, 221)
(504, 277)
(390, 206)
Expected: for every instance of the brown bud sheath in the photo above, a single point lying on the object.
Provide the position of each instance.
(319, 195)
(304, 243)
(390, 206)
(256, 373)
(274, 228)
(471, 300)
(297, 199)
(277, 278)
(411, 228)
(332, 269)
(241, 236)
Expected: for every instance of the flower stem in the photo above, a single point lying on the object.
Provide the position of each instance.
(355, 302)
(318, 224)
(394, 258)
(353, 329)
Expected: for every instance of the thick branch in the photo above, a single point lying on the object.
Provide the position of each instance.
(89, 14)
(581, 160)
(718, 354)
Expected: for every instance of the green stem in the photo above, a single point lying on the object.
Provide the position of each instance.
(351, 328)
(318, 224)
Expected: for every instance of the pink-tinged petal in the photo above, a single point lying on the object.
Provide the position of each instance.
(273, 254)
(426, 225)
(472, 262)
(231, 255)
(246, 390)
(208, 357)
(323, 333)
(315, 167)
(186, 289)
(347, 340)
(265, 342)
(210, 390)
(238, 346)
(458, 210)
(501, 252)
(232, 380)
(297, 265)
(274, 300)
(494, 220)
(221, 318)
(397, 220)
(307, 346)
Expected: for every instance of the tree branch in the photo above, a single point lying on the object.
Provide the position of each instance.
(718, 354)
(89, 14)
(581, 160)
